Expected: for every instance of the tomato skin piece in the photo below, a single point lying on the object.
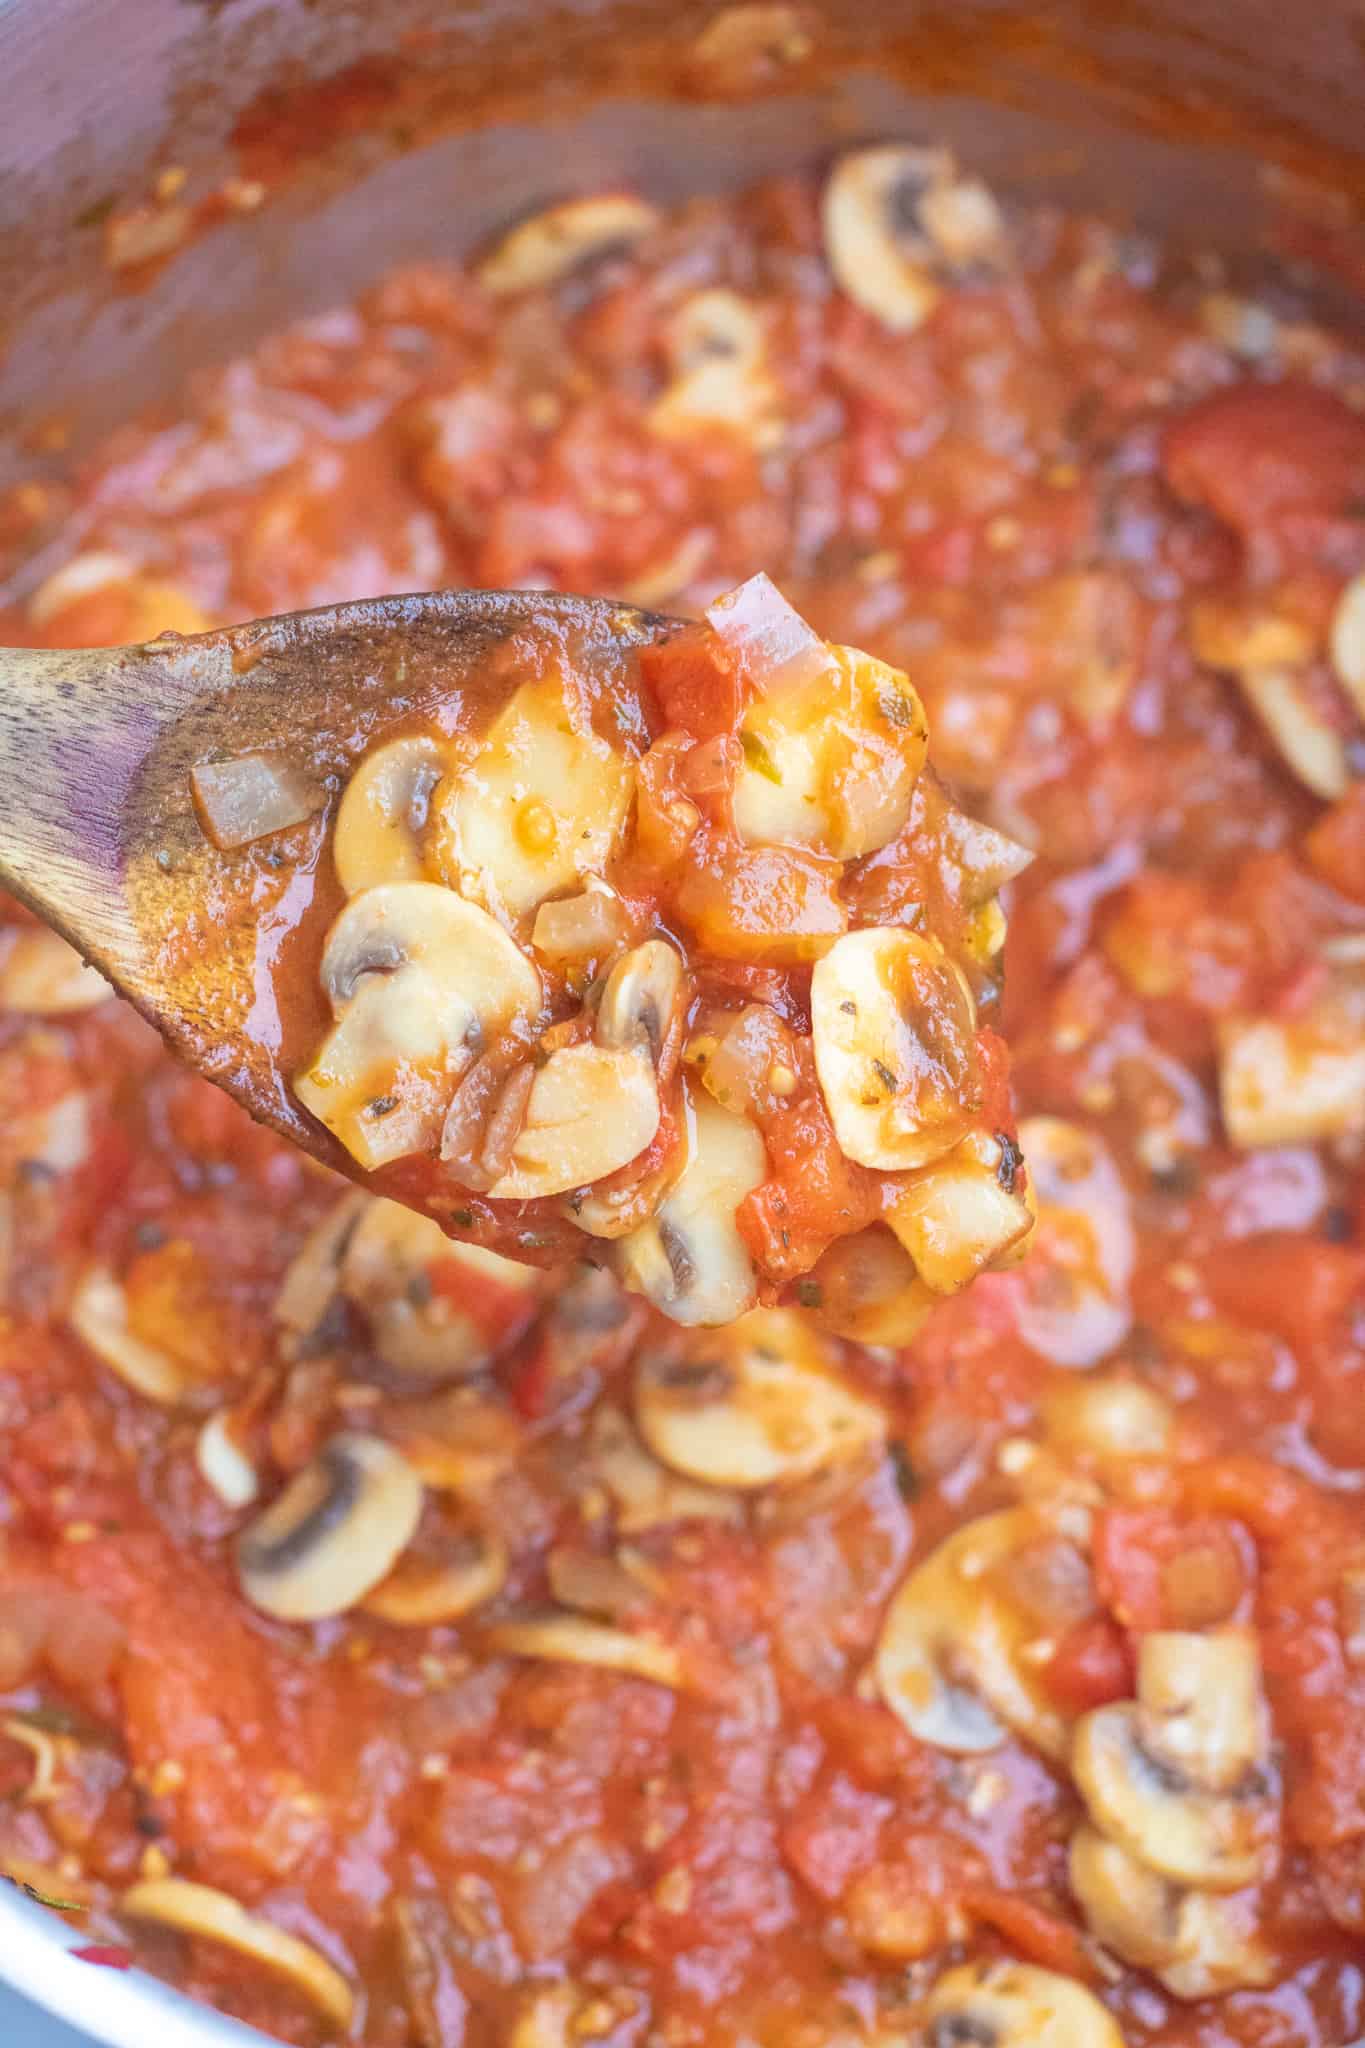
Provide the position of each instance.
(1037, 1933)
(697, 680)
(1092, 1665)
(1295, 1287)
(774, 902)
(1265, 455)
(1134, 1547)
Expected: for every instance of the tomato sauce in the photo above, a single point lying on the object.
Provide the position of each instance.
(1110, 532)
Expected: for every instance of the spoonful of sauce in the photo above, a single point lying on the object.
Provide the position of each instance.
(588, 933)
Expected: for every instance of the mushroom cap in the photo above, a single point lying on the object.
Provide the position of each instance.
(377, 837)
(591, 1110)
(690, 1259)
(759, 1403)
(540, 806)
(867, 1289)
(1003, 2004)
(866, 201)
(211, 1915)
(333, 1533)
(1164, 1816)
(948, 1660)
(543, 249)
(892, 1028)
(417, 978)
(640, 998)
(831, 764)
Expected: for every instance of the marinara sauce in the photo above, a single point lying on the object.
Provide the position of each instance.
(402, 1647)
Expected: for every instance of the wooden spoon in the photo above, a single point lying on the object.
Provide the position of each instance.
(99, 834)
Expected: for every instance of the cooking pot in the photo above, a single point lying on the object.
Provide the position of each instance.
(353, 137)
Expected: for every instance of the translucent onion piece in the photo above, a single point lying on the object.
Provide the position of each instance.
(252, 796)
(775, 646)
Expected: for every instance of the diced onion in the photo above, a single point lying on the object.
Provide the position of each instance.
(775, 646)
(737, 1072)
(252, 796)
(580, 927)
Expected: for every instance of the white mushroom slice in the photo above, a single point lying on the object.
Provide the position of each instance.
(224, 1465)
(1109, 1417)
(418, 979)
(960, 1214)
(872, 244)
(892, 1026)
(831, 764)
(949, 1660)
(1072, 1304)
(1181, 1778)
(1289, 1081)
(44, 977)
(1311, 748)
(333, 1533)
(640, 999)
(645, 1493)
(591, 1110)
(542, 250)
(757, 1404)
(209, 1915)
(98, 1313)
(383, 813)
(1198, 1944)
(573, 1639)
(1002, 2004)
(718, 351)
(1348, 640)
(313, 1275)
(690, 1259)
(424, 1593)
(865, 1287)
(385, 1270)
(541, 805)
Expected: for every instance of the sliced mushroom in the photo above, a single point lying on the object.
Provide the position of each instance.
(98, 1313)
(209, 1915)
(1312, 749)
(721, 378)
(757, 1404)
(424, 1592)
(385, 1271)
(646, 1495)
(547, 247)
(334, 1533)
(871, 232)
(690, 1259)
(573, 1639)
(962, 1213)
(591, 1111)
(1072, 1304)
(892, 1027)
(383, 814)
(1198, 1944)
(1291, 1080)
(44, 977)
(224, 1465)
(1181, 1777)
(831, 764)
(1348, 641)
(1003, 2004)
(541, 806)
(865, 1287)
(949, 1660)
(313, 1276)
(418, 979)
(641, 999)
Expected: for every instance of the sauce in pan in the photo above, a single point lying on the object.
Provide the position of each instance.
(404, 1646)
